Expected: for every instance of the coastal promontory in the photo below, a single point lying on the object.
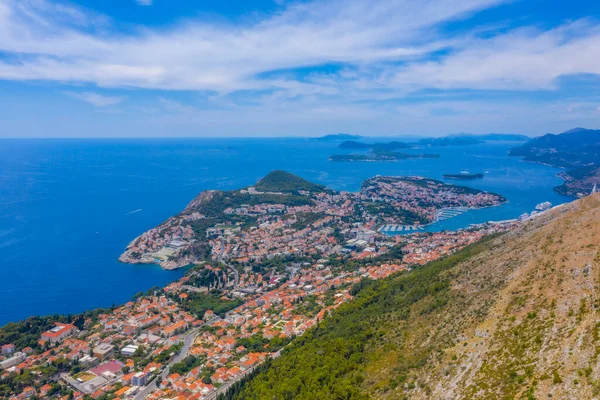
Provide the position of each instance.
(284, 214)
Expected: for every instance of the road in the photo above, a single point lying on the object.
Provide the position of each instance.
(236, 274)
(223, 389)
(188, 341)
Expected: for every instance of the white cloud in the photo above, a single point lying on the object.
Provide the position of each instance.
(384, 46)
(525, 59)
(144, 2)
(202, 56)
(96, 99)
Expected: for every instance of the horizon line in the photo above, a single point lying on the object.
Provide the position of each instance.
(249, 137)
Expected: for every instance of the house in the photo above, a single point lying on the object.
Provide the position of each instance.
(45, 389)
(28, 392)
(129, 350)
(58, 333)
(175, 328)
(103, 351)
(8, 349)
(173, 378)
(14, 360)
(122, 391)
(139, 379)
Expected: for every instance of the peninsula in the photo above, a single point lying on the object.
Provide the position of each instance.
(284, 215)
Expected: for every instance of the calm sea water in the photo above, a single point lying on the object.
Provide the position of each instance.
(68, 208)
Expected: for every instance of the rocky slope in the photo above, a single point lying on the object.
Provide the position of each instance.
(514, 317)
(529, 317)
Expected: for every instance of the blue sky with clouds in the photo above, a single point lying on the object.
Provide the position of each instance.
(128, 68)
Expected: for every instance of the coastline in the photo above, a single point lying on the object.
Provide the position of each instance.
(88, 261)
(560, 175)
(398, 233)
(173, 244)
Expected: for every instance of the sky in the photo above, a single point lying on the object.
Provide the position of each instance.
(243, 68)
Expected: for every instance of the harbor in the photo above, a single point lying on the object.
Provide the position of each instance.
(440, 215)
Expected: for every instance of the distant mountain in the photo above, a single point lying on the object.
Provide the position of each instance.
(282, 181)
(506, 137)
(461, 139)
(351, 144)
(511, 317)
(558, 149)
(578, 150)
(450, 141)
(390, 146)
(338, 137)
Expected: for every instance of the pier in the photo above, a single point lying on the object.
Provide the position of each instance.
(447, 213)
(400, 228)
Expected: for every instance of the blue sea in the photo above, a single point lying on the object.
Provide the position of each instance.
(68, 208)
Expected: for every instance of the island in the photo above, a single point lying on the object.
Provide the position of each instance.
(502, 137)
(576, 150)
(492, 137)
(337, 137)
(378, 152)
(450, 141)
(284, 214)
(379, 156)
(462, 176)
(393, 145)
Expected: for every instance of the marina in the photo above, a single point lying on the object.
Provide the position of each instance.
(447, 213)
(441, 215)
(393, 229)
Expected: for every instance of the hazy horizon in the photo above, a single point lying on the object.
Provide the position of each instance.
(386, 137)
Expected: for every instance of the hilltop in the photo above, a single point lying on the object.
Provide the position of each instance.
(577, 150)
(282, 181)
(513, 316)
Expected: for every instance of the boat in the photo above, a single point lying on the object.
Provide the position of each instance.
(543, 206)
